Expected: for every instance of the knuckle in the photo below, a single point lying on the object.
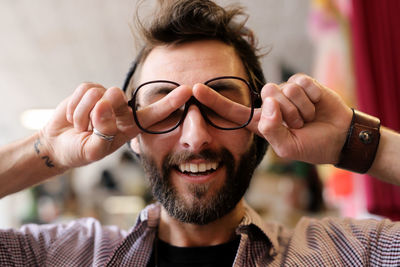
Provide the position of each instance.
(301, 79)
(70, 107)
(269, 89)
(294, 77)
(95, 92)
(291, 112)
(116, 97)
(84, 86)
(114, 88)
(309, 114)
(283, 153)
(112, 92)
(292, 90)
(304, 81)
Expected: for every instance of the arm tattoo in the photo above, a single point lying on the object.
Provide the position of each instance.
(47, 160)
(49, 163)
(36, 146)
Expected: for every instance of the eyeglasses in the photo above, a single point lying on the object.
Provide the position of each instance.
(235, 90)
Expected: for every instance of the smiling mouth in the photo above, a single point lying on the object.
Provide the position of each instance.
(199, 169)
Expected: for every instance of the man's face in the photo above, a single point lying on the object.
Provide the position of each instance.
(198, 172)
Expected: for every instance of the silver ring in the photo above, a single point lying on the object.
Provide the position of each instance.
(103, 136)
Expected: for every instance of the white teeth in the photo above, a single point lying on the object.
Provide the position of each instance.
(202, 167)
(198, 167)
(208, 165)
(194, 167)
(214, 165)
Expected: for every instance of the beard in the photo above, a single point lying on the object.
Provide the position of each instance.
(196, 207)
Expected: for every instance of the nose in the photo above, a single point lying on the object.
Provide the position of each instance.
(195, 133)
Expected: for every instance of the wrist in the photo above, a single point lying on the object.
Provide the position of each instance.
(385, 165)
(361, 145)
(23, 164)
(45, 152)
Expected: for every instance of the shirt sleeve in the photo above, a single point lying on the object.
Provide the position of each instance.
(381, 240)
(347, 242)
(37, 245)
(28, 245)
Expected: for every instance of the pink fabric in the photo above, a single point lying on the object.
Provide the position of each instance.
(376, 48)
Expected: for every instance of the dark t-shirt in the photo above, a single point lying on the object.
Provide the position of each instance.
(220, 255)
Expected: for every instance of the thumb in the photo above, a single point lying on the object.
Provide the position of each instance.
(104, 127)
(272, 128)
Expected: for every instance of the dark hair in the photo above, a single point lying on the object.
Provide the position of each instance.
(179, 21)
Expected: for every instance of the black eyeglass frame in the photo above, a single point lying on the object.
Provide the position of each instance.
(254, 95)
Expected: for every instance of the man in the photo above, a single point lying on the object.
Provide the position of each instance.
(195, 121)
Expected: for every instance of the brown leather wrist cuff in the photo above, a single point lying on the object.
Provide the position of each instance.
(359, 150)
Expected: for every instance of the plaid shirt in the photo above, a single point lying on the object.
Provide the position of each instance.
(327, 242)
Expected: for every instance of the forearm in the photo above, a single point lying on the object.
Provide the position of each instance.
(386, 164)
(25, 163)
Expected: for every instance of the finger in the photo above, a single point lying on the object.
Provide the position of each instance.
(103, 119)
(58, 119)
(122, 111)
(253, 125)
(290, 113)
(311, 86)
(223, 106)
(299, 98)
(81, 116)
(164, 107)
(76, 97)
(272, 128)
(118, 101)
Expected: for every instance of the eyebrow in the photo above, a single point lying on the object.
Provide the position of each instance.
(156, 89)
(225, 85)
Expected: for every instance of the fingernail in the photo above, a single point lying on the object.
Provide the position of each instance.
(298, 123)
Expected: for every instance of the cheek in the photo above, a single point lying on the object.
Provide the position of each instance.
(237, 142)
(156, 146)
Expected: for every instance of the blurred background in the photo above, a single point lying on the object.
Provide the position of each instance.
(49, 47)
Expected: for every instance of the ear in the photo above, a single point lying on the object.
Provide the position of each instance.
(135, 145)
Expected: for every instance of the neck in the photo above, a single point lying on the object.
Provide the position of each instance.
(217, 232)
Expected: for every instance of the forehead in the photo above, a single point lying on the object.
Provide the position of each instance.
(191, 62)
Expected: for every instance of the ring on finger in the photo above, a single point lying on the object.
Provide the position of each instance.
(103, 136)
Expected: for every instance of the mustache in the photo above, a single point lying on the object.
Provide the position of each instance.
(178, 158)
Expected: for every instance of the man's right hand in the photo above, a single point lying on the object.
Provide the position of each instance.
(68, 140)
(69, 135)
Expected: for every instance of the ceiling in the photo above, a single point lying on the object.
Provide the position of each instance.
(49, 47)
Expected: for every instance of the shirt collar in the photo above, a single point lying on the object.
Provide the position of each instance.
(269, 230)
(151, 215)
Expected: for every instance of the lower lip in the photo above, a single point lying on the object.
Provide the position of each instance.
(199, 179)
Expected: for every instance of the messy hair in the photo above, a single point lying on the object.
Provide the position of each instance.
(181, 21)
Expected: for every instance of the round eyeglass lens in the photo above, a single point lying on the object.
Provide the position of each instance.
(148, 94)
(234, 106)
